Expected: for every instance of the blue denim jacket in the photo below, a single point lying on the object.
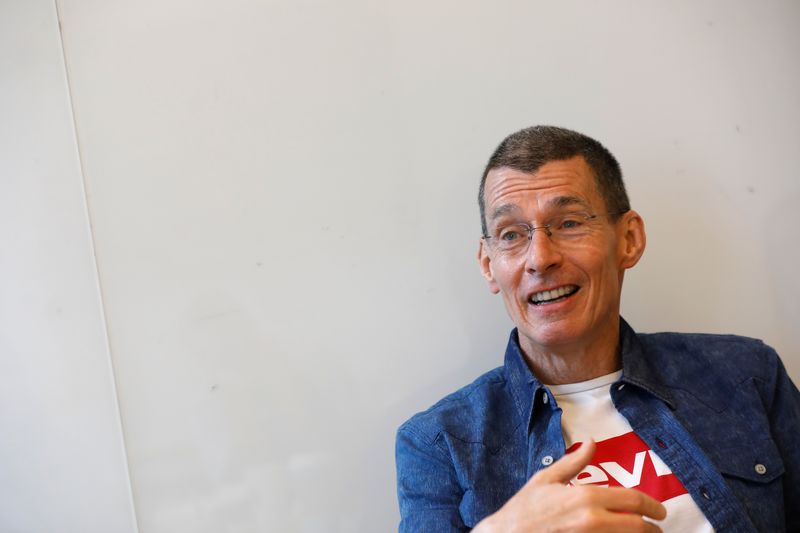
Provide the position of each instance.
(714, 406)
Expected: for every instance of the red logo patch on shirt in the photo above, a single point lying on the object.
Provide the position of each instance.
(626, 461)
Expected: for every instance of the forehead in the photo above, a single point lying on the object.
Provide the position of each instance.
(554, 184)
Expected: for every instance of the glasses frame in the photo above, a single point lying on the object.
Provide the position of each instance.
(546, 227)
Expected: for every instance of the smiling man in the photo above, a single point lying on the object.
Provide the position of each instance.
(589, 426)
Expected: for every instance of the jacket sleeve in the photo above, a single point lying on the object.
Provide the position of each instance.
(427, 485)
(784, 416)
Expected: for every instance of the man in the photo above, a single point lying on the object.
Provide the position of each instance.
(671, 432)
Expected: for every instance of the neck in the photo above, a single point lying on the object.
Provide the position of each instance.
(573, 363)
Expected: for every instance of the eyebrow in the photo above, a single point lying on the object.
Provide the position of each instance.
(557, 202)
(566, 201)
(504, 210)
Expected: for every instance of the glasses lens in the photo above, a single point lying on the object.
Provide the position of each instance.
(511, 238)
(571, 225)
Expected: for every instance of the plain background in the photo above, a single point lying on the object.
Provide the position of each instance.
(238, 238)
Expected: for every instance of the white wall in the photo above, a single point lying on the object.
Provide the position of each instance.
(62, 460)
(283, 206)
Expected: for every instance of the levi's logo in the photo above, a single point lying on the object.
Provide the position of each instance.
(626, 461)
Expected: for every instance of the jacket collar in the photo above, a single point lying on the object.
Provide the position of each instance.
(523, 385)
(637, 370)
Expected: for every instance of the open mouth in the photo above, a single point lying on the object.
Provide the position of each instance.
(552, 296)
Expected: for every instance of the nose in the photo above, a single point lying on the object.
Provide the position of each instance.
(543, 254)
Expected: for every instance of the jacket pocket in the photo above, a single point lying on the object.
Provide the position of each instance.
(753, 470)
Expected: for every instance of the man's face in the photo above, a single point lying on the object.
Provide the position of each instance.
(588, 270)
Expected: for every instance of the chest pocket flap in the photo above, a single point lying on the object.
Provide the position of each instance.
(757, 462)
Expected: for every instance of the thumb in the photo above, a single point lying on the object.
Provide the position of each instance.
(568, 466)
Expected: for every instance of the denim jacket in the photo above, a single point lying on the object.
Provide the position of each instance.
(720, 409)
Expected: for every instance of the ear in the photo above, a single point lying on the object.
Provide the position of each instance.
(633, 239)
(485, 263)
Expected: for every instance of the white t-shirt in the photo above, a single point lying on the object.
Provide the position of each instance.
(622, 458)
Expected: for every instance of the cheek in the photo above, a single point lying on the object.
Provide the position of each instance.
(605, 279)
(506, 273)
(600, 271)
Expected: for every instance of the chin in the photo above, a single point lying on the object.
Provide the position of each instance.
(552, 335)
(564, 328)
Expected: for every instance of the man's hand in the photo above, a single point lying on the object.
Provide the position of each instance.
(546, 503)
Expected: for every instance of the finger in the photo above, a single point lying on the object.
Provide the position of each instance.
(615, 522)
(568, 466)
(623, 500)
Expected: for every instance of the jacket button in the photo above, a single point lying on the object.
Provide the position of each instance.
(544, 398)
(547, 460)
(705, 493)
(761, 469)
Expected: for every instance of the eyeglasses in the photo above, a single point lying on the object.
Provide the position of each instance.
(574, 227)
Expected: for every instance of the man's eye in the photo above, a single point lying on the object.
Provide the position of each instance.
(510, 235)
(570, 223)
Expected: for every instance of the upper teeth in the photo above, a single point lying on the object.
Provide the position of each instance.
(552, 295)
